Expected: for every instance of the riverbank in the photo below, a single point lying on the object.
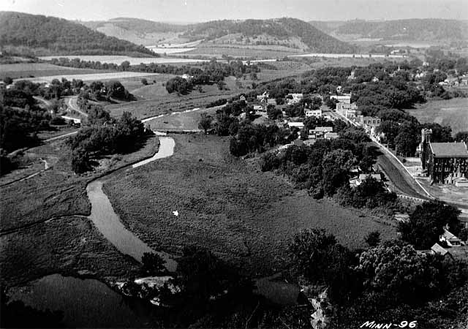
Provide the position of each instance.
(226, 205)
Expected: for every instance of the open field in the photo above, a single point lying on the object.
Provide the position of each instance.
(93, 76)
(217, 51)
(70, 245)
(61, 130)
(153, 90)
(31, 70)
(180, 121)
(169, 51)
(159, 101)
(452, 112)
(350, 55)
(133, 60)
(227, 205)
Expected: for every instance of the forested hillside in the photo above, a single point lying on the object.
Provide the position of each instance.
(407, 29)
(404, 29)
(282, 31)
(44, 35)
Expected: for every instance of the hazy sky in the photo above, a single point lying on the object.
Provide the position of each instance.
(205, 10)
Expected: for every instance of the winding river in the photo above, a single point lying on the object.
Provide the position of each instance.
(108, 222)
(90, 303)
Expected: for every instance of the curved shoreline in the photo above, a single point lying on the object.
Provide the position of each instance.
(107, 221)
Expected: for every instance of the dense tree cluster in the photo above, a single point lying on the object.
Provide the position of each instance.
(426, 224)
(209, 73)
(218, 102)
(200, 74)
(19, 127)
(179, 85)
(369, 194)
(389, 279)
(109, 137)
(325, 165)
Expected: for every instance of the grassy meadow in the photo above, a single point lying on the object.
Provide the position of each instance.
(227, 205)
(69, 245)
(154, 99)
(33, 70)
(115, 59)
(180, 121)
(452, 112)
(244, 52)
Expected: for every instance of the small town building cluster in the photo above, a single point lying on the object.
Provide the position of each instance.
(349, 110)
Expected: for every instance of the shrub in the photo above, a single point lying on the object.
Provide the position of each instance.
(153, 264)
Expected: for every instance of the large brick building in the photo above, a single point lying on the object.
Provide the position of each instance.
(444, 162)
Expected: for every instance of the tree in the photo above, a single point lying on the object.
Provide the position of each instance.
(125, 65)
(273, 113)
(407, 140)
(144, 81)
(440, 134)
(461, 136)
(426, 223)
(308, 253)
(396, 272)
(336, 166)
(153, 264)
(80, 161)
(269, 161)
(205, 122)
(8, 80)
(372, 239)
(201, 272)
(97, 115)
(179, 85)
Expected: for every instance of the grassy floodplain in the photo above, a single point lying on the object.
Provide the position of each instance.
(132, 60)
(452, 112)
(227, 205)
(32, 70)
(44, 227)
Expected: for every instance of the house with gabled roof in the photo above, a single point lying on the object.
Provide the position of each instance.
(450, 239)
(439, 250)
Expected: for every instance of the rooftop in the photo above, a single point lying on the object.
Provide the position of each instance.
(449, 150)
(324, 129)
(438, 249)
(296, 124)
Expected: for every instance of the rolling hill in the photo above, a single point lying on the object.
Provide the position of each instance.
(43, 35)
(139, 31)
(399, 30)
(287, 32)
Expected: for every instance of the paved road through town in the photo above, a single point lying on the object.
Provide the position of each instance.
(398, 177)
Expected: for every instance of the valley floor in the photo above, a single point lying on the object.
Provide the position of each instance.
(226, 205)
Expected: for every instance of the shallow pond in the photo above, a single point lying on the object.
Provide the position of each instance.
(84, 303)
